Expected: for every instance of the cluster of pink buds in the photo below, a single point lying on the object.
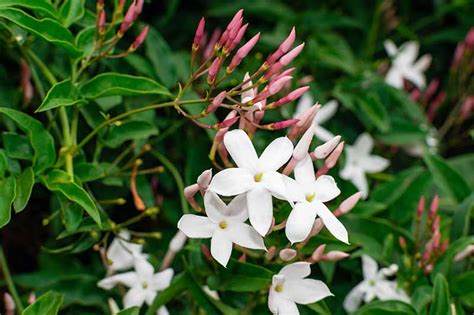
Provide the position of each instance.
(464, 52)
(430, 99)
(106, 39)
(428, 245)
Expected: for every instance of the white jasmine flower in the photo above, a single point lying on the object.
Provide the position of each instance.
(289, 287)
(359, 161)
(224, 224)
(324, 114)
(143, 283)
(258, 177)
(404, 65)
(121, 252)
(374, 285)
(310, 194)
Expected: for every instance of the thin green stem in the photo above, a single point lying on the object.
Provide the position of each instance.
(8, 280)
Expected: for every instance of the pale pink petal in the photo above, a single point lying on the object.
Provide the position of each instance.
(335, 227)
(260, 209)
(305, 291)
(304, 172)
(325, 188)
(277, 153)
(297, 270)
(241, 149)
(232, 181)
(195, 226)
(300, 221)
(244, 235)
(221, 247)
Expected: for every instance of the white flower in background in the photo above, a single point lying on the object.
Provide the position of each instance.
(121, 252)
(404, 65)
(224, 224)
(249, 94)
(324, 114)
(143, 283)
(289, 287)
(258, 177)
(359, 161)
(374, 285)
(310, 194)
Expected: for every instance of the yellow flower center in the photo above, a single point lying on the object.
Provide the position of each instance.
(258, 177)
(223, 225)
(310, 197)
(279, 288)
(144, 285)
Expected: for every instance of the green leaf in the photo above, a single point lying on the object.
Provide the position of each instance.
(450, 181)
(161, 57)
(71, 214)
(176, 287)
(371, 108)
(41, 141)
(71, 11)
(61, 94)
(41, 6)
(463, 284)
(440, 297)
(107, 84)
(46, 28)
(7, 195)
(421, 297)
(134, 310)
(131, 130)
(17, 146)
(85, 40)
(387, 308)
(47, 304)
(3, 163)
(58, 180)
(462, 218)
(24, 186)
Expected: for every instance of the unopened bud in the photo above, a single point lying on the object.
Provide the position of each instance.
(242, 53)
(302, 147)
(334, 156)
(177, 242)
(189, 193)
(467, 108)
(283, 48)
(335, 255)
(468, 251)
(270, 253)
(323, 150)
(237, 38)
(138, 7)
(213, 71)
(205, 250)
(421, 208)
(227, 123)
(435, 226)
(199, 33)
(288, 254)
(275, 86)
(290, 97)
(428, 269)
(288, 58)
(470, 39)
(306, 119)
(129, 18)
(9, 304)
(348, 204)
(402, 242)
(140, 38)
(102, 22)
(318, 253)
(282, 124)
(317, 227)
(216, 102)
(434, 207)
(204, 179)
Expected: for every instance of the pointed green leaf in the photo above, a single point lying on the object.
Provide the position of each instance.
(17, 146)
(61, 94)
(131, 130)
(71, 11)
(3, 163)
(24, 186)
(42, 6)
(41, 141)
(49, 303)
(58, 180)
(7, 195)
(121, 84)
(386, 308)
(130, 311)
(440, 296)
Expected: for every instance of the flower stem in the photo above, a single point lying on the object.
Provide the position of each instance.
(8, 280)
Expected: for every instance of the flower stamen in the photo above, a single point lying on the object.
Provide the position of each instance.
(310, 197)
(223, 225)
(258, 177)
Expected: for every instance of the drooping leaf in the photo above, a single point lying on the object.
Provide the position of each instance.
(440, 296)
(24, 186)
(71, 214)
(49, 303)
(42, 6)
(17, 146)
(60, 181)
(71, 11)
(107, 84)
(46, 28)
(61, 94)
(7, 195)
(41, 141)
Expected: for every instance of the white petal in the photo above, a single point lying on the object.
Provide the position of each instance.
(304, 172)
(195, 226)
(297, 270)
(326, 112)
(322, 133)
(354, 298)
(120, 252)
(274, 183)
(143, 268)
(300, 221)
(129, 279)
(394, 77)
(150, 296)
(305, 291)
(237, 209)
(325, 188)
(423, 63)
(162, 279)
(241, 149)
(277, 153)
(272, 301)
(335, 227)
(232, 181)
(390, 47)
(221, 247)
(359, 180)
(244, 235)
(374, 164)
(302, 147)
(408, 53)
(286, 307)
(260, 209)
(305, 102)
(415, 76)
(363, 144)
(214, 206)
(294, 191)
(162, 311)
(369, 267)
(135, 297)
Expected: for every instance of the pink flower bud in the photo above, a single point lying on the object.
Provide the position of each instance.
(415, 94)
(458, 55)
(282, 124)
(204, 179)
(129, 18)
(348, 204)
(290, 97)
(431, 90)
(140, 38)
(317, 227)
(138, 7)
(237, 38)
(302, 147)
(205, 250)
(334, 156)
(275, 86)
(283, 48)
(434, 207)
(318, 253)
(235, 19)
(227, 123)
(323, 150)
(25, 82)
(121, 4)
(288, 254)
(421, 208)
(213, 70)
(470, 39)
(243, 258)
(212, 42)
(216, 102)
(402, 242)
(435, 226)
(189, 193)
(286, 59)
(335, 255)
(436, 239)
(306, 119)
(467, 108)
(428, 269)
(9, 303)
(199, 33)
(242, 53)
(102, 22)
(178, 241)
(270, 253)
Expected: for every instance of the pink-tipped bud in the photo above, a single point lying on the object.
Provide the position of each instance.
(467, 108)
(31, 298)
(207, 253)
(288, 254)
(189, 193)
(26, 86)
(468, 251)
(177, 242)
(213, 71)
(323, 150)
(421, 208)
(428, 269)
(282, 124)
(227, 123)
(434, 207)
(415, 94)
(302, 147)
(403, 243)
(317, 227)
(204, 179)
(216, 102)
(290, 97)
(334, 156)
(129, 18)
(121, 4)
(9, 303)
(242, 53)
(102, 22)
(283, 48)
(435, 226)
(318, 253)
(275, 86)
(138, 7)
(270, 253)
(306, 119)
(431, 89)
(140, 38)
(199, 33)
(243, 258)
(458, 55)
(335, 255)
(235, 19)
(470, 39)
(237, 38)
(348, 204)
(436, 240)
(286, 59)
(211, 44)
